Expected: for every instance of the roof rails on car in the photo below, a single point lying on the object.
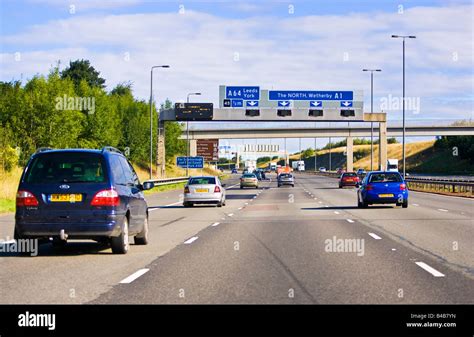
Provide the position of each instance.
(43, 149)
(111, 149)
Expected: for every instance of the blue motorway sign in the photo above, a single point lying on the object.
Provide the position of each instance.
(251, 104)
(247, 93)
(237, 103)
(307, 95)
(190, 162)
(315, 104)
(346, 104)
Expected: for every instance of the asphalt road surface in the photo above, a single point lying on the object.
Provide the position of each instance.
(307, 244)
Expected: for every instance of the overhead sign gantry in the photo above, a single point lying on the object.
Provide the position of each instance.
(251, 103)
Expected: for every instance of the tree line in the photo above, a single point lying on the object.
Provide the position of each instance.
(72, 109)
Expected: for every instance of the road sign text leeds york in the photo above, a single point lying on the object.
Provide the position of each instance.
(246, 93)
(190, 162)
(298, 95)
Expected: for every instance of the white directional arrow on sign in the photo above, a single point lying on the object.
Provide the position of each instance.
(252, 103)
(315, 103)
(346, 103)
(283, 103)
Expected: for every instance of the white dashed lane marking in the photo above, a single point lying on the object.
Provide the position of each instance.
(429, 269)
(190, 240)
(375, 236)
(350, 220)
(134, 276)
(215, 224)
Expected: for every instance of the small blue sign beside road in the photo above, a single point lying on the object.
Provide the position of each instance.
(237, 103)
(346, 104)
(315, 104)
(247, 93)
(190, 162)
(305, 95)
(284, 104)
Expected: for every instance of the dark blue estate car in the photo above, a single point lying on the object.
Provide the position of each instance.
(82, 194)
(383, 188)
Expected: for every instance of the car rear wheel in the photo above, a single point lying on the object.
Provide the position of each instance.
(121, 243)
(58, 243)
(142, 237)
(241, 187)
(405, 204)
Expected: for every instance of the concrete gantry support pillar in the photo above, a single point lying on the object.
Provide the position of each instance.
(349, 154)
(161, 155)
(381, 118)
(382, 146)
(193, 147)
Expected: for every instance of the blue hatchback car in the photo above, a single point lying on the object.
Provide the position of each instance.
(383, 188)
(82, 194)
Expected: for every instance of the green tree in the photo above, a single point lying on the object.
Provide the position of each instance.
(82, 70)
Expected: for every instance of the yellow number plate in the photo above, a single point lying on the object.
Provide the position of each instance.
(385, 195)
(202, 190)
(66, 197)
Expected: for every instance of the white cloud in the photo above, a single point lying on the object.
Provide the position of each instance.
(289, 53)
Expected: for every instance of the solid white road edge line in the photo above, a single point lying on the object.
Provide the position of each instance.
(154, 209)
(215, 224)
(350, 220)
(134, 276)
(429, 269)
(442, 210)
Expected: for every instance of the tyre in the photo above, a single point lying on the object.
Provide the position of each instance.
(293, 185)
(279, 185)
(121, 243)
(256, 187)
(405, 204)
(241, 187)
(219, 204)
(17, 235)
(340, 186)
(142, 237)
(58, 243)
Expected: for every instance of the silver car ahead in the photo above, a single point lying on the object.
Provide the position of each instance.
(204, 190)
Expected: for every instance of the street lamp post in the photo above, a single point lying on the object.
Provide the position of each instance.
(371, 111)
(403, 95)
(151, 116)
(187, 132)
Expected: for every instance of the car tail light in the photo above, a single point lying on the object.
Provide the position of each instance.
(106, 198)
(369, 187)
(403, 187)
(25, 198)
(217, 189)
(186, 189)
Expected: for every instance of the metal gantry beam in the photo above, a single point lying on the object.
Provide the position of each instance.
(413, 131)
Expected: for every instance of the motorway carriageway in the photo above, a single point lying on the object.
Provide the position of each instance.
(266, 246)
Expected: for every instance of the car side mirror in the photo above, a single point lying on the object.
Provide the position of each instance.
(147, 185)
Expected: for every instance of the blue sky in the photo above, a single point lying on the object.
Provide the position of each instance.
(319, 45)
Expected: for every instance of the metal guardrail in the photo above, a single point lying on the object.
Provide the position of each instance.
(168, 181)
(429, 184)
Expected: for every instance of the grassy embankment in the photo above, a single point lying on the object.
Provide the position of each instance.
(421, 157)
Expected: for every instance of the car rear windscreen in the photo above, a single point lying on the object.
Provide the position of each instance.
(66, 167)
(202, 181)
(285, 175)
(349, 174)
(249, 176)
(385, 178)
